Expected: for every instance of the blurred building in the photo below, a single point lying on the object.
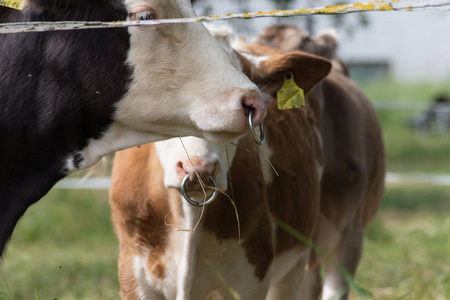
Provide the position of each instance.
(406, 45)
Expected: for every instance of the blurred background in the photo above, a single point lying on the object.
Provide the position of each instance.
(65, 247)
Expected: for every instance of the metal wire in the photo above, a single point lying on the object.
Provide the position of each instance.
(372, 6)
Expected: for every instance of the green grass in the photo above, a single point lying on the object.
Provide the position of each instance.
(65, 247)
(407, 246)
(406, 151)
(390, 89)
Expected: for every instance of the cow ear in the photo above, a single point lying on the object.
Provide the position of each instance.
(308, 71)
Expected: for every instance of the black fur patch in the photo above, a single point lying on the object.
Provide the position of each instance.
(57, 91)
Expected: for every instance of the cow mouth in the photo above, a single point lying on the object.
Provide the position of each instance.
(199, 192)
(195, 188)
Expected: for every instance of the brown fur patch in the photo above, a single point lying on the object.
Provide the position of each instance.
(308, 69)
(354, 156)
(139, 204)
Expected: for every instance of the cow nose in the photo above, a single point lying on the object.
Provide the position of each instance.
(204, 169)
(254, 103)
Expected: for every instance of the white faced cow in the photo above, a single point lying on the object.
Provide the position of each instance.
(330, 165)
(68, 98)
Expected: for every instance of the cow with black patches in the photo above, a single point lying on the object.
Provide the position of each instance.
(67, 98)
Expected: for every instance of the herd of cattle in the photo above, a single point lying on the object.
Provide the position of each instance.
(69, 98)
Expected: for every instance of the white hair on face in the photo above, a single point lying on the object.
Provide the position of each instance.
(220, 32)
(330, 32)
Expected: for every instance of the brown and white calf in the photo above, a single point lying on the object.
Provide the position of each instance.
(253, 259)
(353, 173)
(67, 98)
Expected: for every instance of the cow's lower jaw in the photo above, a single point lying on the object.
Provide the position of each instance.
(218, 138)
(227, 127)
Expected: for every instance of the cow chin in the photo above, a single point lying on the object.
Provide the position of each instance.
(218, 138)
(225, 128)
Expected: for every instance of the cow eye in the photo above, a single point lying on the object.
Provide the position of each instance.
(143, 16)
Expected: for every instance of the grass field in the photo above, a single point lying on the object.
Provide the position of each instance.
(407, 246)
(65, 247)
(407, 151)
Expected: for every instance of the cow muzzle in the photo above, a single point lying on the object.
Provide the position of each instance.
(198, 180)
(206, 200)
(255, 107)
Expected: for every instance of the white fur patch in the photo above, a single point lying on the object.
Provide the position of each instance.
(142, 276)
(199, 266)
(223, 265)
(330, 32)
(283, 263)
(265, 156)
(171, 151)
(329, 292)
(117, 137)
(319, 165)
(254, 60)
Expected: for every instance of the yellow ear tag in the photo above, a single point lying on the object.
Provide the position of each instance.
(16, 4)
(290, 95)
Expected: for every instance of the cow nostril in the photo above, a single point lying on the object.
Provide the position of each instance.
(247, 109)
(195, 166)
(255, 106)
(181, 171)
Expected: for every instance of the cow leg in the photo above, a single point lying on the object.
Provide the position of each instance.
(311, 284)
(288, 286)
(133, 278)
(15, 198)
(8, 220)
(347, 254)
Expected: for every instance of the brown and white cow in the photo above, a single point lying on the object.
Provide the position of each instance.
(361, 156)
(67, 98)
(337, 135)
